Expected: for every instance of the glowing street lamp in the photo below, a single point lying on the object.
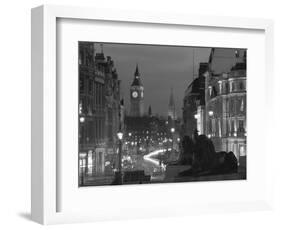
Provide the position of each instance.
(82, 119)
(120, 137)
(211, 113)
(172, 131)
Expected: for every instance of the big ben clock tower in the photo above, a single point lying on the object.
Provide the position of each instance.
(136, 96)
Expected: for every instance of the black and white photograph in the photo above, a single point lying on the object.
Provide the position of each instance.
(160, 114)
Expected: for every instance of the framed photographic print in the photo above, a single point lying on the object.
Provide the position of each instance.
(139, 114)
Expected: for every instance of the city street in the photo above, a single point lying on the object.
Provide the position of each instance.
(138, 125)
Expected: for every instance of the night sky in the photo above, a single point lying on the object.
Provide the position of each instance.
(161, 68)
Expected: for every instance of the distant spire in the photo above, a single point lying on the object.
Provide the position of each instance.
(149, 111)
(172, 107)
(137, 73)
(137, 80)
(171, 100)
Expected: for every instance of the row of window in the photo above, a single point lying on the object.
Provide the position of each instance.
(231, 128)
(233, 105)
(224, 87)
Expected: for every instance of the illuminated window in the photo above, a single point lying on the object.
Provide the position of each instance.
(220, 87)
(242, 150)
(219, 127)
(242, 105)
(231, 86)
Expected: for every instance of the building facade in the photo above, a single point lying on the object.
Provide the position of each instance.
(225, 96)
(99, 96)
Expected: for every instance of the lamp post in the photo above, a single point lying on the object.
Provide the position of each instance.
(82, 155)
(172, 131)
(211, 114)
(120, 137)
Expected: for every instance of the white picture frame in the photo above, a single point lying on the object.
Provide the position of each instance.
(46, 184)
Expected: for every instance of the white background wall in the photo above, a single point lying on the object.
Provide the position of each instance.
(15, 113)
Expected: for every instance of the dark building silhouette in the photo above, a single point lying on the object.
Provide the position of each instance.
(194, 102)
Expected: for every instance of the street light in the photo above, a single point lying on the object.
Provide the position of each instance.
(211, 113)
(172, 131)
(120, 137)
(82, 119)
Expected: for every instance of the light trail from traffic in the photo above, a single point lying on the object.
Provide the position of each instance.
(149, 156)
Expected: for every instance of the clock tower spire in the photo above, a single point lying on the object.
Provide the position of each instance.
(137, 95)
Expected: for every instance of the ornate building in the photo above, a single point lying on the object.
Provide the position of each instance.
(226, 103)
(137, 96)
(99, 97)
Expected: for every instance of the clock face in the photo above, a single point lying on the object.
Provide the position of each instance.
(135, 94)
